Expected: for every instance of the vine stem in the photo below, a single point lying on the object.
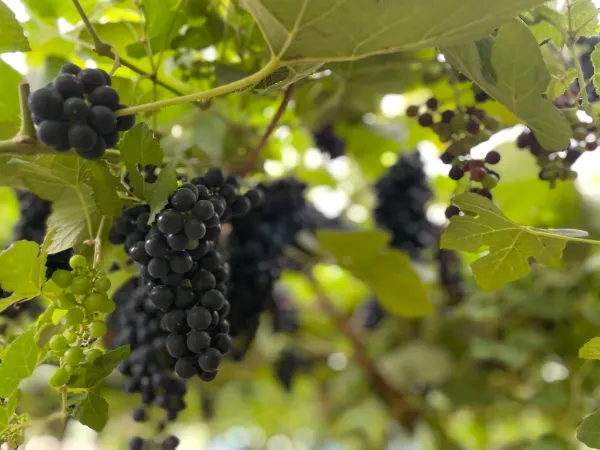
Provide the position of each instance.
(548, 234)
(204, 95)
(400, 407)
(254, 154)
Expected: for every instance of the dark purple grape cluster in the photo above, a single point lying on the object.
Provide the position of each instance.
(149, 369)
(329, 142)
(402, 195)
(77, 110)
(184, 271)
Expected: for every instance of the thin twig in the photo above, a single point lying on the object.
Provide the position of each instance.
(400, 407)
(254, 154)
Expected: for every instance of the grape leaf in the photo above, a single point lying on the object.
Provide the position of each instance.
(90, 376)
(583, 17)
(12, 39)
(588, 431)
(595, 57)
(548, 24)
(140, 146)
(591, 349)
(510, 245)
(387, 271)
(20, 359)
(304, 34)
(13, 401)
(9, 102)
(105, 188)
(160, 191)
(22, 271)
(4, 416)
(510, 68)
(92, 411)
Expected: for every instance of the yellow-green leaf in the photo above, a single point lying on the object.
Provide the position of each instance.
(22, 271)
(20, 359)
(591, 349)
(12, 38)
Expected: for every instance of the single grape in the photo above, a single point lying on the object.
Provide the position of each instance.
(170, 221)
(77, 262)
(93, 302)
(70, 336)
(210, 359)
(412, 111)
(255, 196)
(103, 119)
(203, 280)
(194, 229)
(176, 345)
(105, 96)
(54, 133)
(111, 139)
(180, 262)
(59, 378)
(97, 329)
(219, 204)
(214, 221)
(73, 356)
(184, 200)
(70, 68)
(127, 122)
(74, 316)
(456, 173)
(222, 342)
(139, 415)
(66, 300)
(452, 211)
(58, 343)
(156, 247)
(158, 267)
(81, 285)
(170, 443)
(175, 321)
(178, 241)
(208, 376)
(102, 284)
(197, 341)
(214, 177)
(92, 79)
(46, 103)
(185, 368)
(93, 354)
(478, 173)
(199, 318)
(82, 137)
(211, 261)
(138, 253)
(213, 300)
(191, 187)
(426, 120)
(162, 297)
(492, 157)
(203, 210)
(76, 109)
(241, 206)
(68, 86)
(136, 443)
(62, 278)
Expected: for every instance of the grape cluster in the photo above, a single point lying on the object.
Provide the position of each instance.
(149, 368)
(402, 194)
(329, 142)
(83, 298)
(556, 165)
(77, 110)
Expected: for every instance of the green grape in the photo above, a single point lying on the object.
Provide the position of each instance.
(70, 336)
(102, 284)
(93, 354)
(93, 302)
(66, 300)
(73, 356)
(97, 329)
(77, 261)
(490, 181)
(81, 285)
(62, 278)
(58, 343)
(107, 306)
(60, 378)
(74, 316)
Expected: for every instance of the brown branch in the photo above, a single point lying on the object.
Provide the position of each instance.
(254, 154)
(401, 408)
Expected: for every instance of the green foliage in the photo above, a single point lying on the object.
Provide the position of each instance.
(18, 362)
(591, 349)
(387, 271)
(13, 39)
(587, 432)
(511, 69)
(92, 411)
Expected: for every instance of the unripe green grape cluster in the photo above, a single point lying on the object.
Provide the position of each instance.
(83, 298)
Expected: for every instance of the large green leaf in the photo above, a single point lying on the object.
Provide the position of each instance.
(90, 375)
(12, 38)
(510, 68)
(589, 430)
(583, 17)
(591, 349)
(92, 411)
(22, 270)
(164, 186)
(9, 101)
(20, 359)
(510, 245)
(387, 271)
(304, 34)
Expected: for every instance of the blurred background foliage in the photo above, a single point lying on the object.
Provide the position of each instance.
(498, 371)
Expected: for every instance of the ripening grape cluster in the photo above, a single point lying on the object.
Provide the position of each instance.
(84, 300)
(329, 142)
(149, 368)
(402, 194)
(77, 110)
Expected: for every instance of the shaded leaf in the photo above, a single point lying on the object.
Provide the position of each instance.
(20, 359)
(510, 68)
(92, 411)
(510, 244)
(588, 431)
(22, 272)
(160, 191)
(105, 188)
(387, 271)
(12, 38)
(89, 376)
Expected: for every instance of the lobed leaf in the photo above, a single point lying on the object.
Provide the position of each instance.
(20, 359)
(22, 271)
(92, 411)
